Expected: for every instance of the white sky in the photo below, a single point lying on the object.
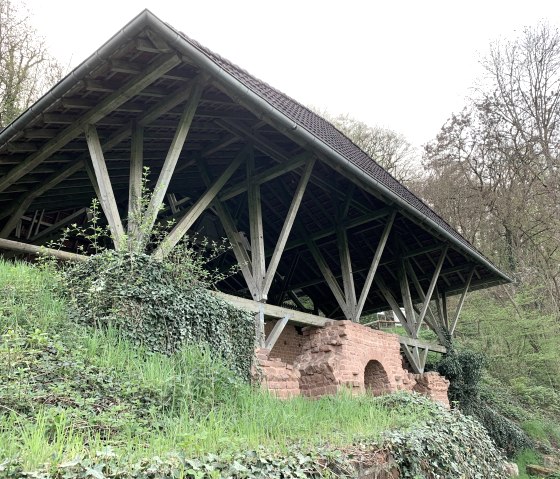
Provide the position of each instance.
(406, 65)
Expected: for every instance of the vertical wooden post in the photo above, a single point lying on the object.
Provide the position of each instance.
(135, 183)
(256, 228)
(347, 274)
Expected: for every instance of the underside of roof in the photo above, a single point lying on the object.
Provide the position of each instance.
(43, 155)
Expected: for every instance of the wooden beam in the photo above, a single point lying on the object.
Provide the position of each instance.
(287, 226)
(182, 226)
(374, 265)
(135, 183)
(34, 249)
(347, 274)
(430, 291)
(171, 159)
(438, 348)
(273, 311)
(461, 302)
(153, 71)
(411, 353)
(407, 298)
(107, 197)
(233, 235)
(391, 301)
(256, 228)
(276, 332)
(268, 175)
(22, 204)
(59, 224)
(329, 278)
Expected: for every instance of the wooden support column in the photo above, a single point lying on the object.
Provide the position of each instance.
(106, 198)
(461, 302)
(256, 229)
(347, 274)
(135, 184)
(374, 265)
(182, 226)
(407, 299)
(171, 159)
(431, 288)
(287, 227)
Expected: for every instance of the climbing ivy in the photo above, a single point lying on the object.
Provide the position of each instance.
(465, 369)
(159, 305)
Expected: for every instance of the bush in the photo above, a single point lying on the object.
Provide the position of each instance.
(157, 305)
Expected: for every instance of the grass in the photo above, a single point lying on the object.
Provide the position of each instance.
(67, 391)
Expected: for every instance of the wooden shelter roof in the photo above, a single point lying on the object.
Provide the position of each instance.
(44, 152)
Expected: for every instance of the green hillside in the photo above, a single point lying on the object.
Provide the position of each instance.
(75, 399)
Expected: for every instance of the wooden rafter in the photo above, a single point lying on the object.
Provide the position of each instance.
(153, 71)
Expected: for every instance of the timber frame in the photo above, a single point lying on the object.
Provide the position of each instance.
(320, 231)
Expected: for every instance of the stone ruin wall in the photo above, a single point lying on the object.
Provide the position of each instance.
(313, 362)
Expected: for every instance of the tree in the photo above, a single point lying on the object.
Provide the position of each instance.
(26, 68)
(494, 169)
(387, 147)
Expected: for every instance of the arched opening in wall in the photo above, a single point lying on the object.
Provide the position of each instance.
(376, 381)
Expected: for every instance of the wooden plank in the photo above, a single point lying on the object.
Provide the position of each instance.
(113, 101)
(34, 249)
(170, 161)
(268, 175)
(374, 265)
(276, 332)
(329, 278)
(107, 197)
(135, 182)
(287, 226)
(438, 348)
(273, 311)
(186, 221)
(430, 291)
(461, 302)
(256, 228)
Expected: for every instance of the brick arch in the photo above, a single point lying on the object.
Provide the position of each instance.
(376, 380)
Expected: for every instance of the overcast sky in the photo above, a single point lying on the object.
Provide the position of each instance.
(405, 65)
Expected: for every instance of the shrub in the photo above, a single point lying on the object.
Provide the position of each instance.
(160, 305)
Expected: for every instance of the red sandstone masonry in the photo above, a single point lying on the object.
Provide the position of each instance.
(340, 355)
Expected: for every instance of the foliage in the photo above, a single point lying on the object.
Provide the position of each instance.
(160, 305)
(26, 68)
(449, 445)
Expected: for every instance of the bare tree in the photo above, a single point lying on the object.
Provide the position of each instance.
(26, 68)
(388, 148)
(501, 157)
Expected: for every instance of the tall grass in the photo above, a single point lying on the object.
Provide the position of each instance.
(202, 407)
